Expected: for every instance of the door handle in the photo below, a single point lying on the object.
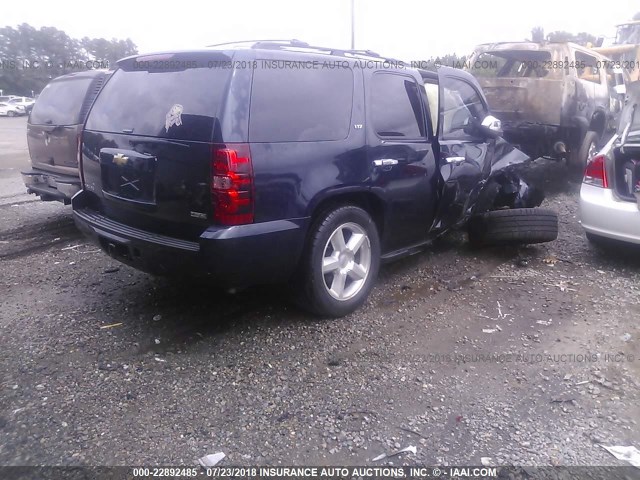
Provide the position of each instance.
(455, 159)
(385, 162)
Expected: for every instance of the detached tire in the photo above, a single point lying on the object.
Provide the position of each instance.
(515, 226)
(340, 264)
(587, 149)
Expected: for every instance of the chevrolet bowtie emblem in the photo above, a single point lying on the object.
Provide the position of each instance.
(120, 159)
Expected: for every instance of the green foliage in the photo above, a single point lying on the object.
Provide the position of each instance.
(30, 58)
(582, 38)
(537, 34)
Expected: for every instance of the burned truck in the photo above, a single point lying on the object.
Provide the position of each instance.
(555, 100)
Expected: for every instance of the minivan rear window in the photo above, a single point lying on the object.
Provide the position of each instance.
(60, 102)
(515, 64)
(300, 105)
(177, 104)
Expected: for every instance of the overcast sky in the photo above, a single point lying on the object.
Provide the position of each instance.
(404, 29)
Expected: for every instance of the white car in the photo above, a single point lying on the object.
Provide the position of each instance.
(610, 192)
(23, 104)
(7, 110)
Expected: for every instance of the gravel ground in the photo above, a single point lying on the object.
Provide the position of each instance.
(528, 356)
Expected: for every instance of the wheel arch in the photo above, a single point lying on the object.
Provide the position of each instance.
(365, 199)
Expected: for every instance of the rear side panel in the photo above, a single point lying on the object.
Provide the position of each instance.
(306, 133)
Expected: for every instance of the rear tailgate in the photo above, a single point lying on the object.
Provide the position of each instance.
(534, 100)
(147, 146)
(55, 123)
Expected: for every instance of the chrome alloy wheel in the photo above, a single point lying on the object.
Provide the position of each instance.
(346, 261)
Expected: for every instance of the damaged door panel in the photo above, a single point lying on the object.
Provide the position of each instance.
(478, 168)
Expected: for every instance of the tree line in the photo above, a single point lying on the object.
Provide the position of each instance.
(30, 58)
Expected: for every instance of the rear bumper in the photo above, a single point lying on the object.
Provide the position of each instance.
(604, 215)
(51, 186)
(236, 256)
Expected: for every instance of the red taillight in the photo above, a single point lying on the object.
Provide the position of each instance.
(232, 184)
(595, 173)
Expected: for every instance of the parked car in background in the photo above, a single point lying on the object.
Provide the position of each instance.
(610, 192)
(554, 99)
(269, 173)
(23, 104)
(53, 132)
(8, 110)
(6, 98)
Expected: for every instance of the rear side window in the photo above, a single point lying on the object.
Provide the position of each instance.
(179, 104)
(60, 102)
(300, 105)
(396, 109)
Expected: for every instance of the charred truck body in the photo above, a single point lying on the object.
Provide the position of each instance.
(554, 99)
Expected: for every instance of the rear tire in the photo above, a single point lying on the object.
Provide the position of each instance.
(588, 148)
(512, 227)
(340, 263)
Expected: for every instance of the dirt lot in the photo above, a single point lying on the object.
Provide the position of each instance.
(528, 356)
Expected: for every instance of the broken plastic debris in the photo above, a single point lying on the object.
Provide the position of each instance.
(111, 326)
(158, 359)
(211, 460)
(485, 461)
(157, 340)
(628, 454)
(410, 448)
(489, 330)
(626, 337)
(157, 318)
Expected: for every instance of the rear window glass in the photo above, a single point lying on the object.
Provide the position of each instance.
(515, 64)
(60, 102)
(180, 104)
(290, 105)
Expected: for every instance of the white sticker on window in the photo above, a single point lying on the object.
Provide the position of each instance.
(174, 117)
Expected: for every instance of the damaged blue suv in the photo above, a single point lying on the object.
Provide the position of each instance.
(264, 162)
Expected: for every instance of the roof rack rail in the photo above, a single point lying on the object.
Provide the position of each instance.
(293, 43)
(263, 43)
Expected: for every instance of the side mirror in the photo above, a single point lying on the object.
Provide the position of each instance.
(492, 123)
(491, 127)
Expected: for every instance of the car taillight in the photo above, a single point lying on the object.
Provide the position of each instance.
(80, 160)
(232, 194)
(595, 173)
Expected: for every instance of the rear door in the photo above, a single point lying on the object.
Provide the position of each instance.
(465, 156)
(55, 123)
(401, 157)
